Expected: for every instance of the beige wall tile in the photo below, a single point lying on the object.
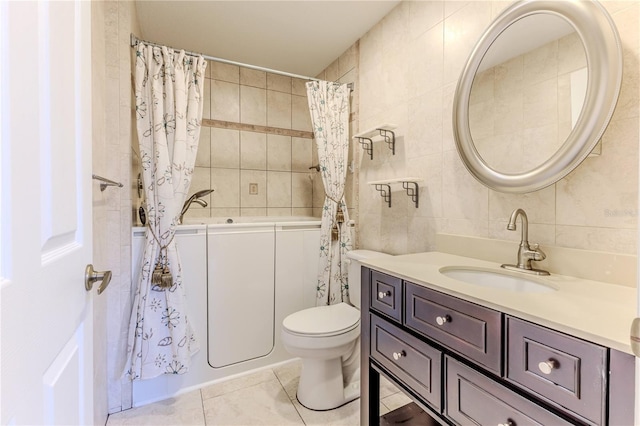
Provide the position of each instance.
(225, 101)
(298, 87)
(279, 211)
(279, 189)
(278, 152)
(254, 212)
(225, 72)
(300, 116)
(601, 239)
(301, 190)
(298, 211)
(253, 105)
(279, 83)
(203, 157)
(278, 109)
(225, 212)
(254, 78)
(225, 148)
(301, 156)
(206, 103)
(253, 150)
(225, 183)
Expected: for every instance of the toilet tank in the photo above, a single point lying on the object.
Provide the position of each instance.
(355, 256)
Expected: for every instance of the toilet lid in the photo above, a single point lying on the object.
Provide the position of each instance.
(323, 320)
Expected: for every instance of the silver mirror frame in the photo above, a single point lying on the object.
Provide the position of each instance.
(604, 64)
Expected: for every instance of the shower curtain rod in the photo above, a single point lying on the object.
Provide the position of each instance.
(135, 40)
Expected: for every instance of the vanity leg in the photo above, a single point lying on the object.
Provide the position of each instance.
(369, 378)
(374, 397)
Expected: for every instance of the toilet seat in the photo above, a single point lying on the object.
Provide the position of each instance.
(323, 321)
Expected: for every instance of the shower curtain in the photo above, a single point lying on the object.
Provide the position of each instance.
(329, 108)
(169, 94)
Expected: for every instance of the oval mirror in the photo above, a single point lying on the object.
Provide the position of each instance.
(537, 93)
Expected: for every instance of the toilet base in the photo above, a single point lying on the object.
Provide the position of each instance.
(321, 385)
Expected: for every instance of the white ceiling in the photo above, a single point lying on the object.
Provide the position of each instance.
(297, 36)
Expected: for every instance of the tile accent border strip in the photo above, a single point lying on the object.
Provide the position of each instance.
(220, 124)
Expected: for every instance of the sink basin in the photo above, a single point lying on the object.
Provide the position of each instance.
(496, 279)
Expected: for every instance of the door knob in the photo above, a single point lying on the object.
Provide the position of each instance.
(91, 276)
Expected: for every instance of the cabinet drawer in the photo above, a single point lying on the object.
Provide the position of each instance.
(566, 371)
(412, 361)
(471, 330)
(386, 294)
(473, 398)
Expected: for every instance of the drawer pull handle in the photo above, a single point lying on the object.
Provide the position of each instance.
(547, 366)
(443, 320)
(508, 423)
(398, 355)
(382, 294)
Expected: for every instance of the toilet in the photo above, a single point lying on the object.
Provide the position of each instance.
(326, 338)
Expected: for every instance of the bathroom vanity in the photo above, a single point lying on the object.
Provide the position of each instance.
(478, 354)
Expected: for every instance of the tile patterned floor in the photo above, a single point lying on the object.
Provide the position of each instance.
(264, 398)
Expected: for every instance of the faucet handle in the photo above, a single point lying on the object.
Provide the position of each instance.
(538, 254)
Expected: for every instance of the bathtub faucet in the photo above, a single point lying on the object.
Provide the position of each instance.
(195, 198)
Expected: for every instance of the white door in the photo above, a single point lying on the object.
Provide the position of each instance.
(45, 216)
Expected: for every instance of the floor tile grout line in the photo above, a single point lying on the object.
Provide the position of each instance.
(204, 413)
(289, 397)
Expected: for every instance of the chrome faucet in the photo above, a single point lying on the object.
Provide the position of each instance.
(195, 198)
(526, 252)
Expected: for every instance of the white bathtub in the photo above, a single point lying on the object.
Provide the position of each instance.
(242, 279)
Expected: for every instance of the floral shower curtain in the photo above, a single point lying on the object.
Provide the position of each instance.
(329, 108)
(169, 94)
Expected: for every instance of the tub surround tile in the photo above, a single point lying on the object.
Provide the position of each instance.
(302, 211)
(301, 155)
(278, 153)
(226, 186)
(279, 189)
(279, 211)
(253, 150)
(225, 148)
(254, 78)
(203, 156)
(300, 117)
(225, 212)
(253, 212)
(206, 102)
(253, 106)
(278, 109)
(224, 72)
(279, 83)
(301, 190)
(225, 101)
(299, 87)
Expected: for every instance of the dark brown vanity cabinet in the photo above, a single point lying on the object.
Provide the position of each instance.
(466, 364)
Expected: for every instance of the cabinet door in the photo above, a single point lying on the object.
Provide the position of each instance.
(474, 399)
(411, 360)
(566, 371)
(469, 329)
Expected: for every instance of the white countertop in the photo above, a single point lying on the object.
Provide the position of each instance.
(592, 310)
